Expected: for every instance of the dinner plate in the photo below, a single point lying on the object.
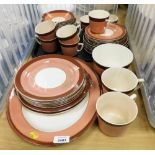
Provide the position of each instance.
(31, 130)
(59, 16)
(49, 77)
(112, 32)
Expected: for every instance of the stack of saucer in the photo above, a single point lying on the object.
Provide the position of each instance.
(51, 85)
(114, 33)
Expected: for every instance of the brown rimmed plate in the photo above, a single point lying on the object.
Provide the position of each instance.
(32, 135)
(27, 80)
(117, 32)
(59, 16)
(56, 109)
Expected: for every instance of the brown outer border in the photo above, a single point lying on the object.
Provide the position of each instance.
(98, 20)
(60, 108)
(99, 39)
(21, 90)
(47, 41)
(47, 32)
(74, 127)
(55, 11)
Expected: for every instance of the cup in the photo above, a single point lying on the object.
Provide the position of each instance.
(46, 30)
(115, 111)
(97, 19)
(68, 34)
(48, 46)
(120, 80)
(84, 21)
(113, 18)
(71, 49)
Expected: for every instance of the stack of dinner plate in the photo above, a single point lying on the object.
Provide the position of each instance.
(114, 33)
(53, 101)
(51, 84)
(60, 17)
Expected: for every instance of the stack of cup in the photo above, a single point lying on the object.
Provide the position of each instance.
(46, 36)
(69, 40)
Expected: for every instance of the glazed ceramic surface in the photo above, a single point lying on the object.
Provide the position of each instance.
(116, 108)
(112, 55)
(66, 31)
(99, 14)
(119, 79)
(49, 77)
(58, 16)
(85, 115)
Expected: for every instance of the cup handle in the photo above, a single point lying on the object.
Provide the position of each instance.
(133, 96)
(140, 81)
(80, 47)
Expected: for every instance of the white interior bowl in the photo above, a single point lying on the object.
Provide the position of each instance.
(119, 79)
(66, 31)
(116, 108)
(45, 27)
(112, 55)
(99, 14)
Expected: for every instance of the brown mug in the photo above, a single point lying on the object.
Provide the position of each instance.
(48, 46)
(115, 112)
(98, 21)
(71, 50)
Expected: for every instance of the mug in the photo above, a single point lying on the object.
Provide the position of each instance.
(98, 21)
(84, 21)
(46, 30)
(115, 111)
(120, 80)
(68, 34)
(48, 46)
(71, 50)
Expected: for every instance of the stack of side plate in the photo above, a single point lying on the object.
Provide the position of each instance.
(114, 33)
(60, 17)
(51, 84)
(57, 128)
